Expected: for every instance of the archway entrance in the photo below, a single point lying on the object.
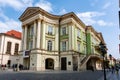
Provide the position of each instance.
(94, 62)
(49, 63)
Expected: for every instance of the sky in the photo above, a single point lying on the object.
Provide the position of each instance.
(101, 14)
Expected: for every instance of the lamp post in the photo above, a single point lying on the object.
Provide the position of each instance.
(103, 51)
(110, 57)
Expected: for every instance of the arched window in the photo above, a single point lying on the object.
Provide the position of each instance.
(49, 47)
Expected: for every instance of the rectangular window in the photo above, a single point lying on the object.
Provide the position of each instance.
(16, 49)
(64, 46)
(92, 49)
(63, 30)
(30, 44)
(50, 30)
(49, 45)
(84, 37)
(30, 36)
(79, 47)
(8, 48)
(78, 33)
(30, 31)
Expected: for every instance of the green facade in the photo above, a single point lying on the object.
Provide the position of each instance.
(88, 41)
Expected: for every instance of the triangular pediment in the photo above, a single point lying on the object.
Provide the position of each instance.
(28, 12)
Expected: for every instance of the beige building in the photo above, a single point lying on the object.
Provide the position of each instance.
(52, 42)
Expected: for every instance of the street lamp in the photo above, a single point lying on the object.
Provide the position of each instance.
(103, 51)
(110, 57)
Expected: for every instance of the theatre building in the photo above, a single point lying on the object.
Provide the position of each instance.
(55, 42)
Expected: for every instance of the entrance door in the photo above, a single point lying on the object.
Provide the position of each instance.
(9, 63)
(63, 63)
(49, 63)
(26, 63)
(75, 63)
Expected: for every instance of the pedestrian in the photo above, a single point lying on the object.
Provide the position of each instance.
(13, 67)
(112, 69)
(117, 70)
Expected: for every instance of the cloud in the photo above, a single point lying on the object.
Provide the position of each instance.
(16, 4)
(22, 4)
(8, 24)
(89, 18)
(44, 5)
(90, 14)
(106, 5)
(63, 11)
(2, 16)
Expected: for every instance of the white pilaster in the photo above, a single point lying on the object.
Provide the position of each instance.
(38, 34)
(22, 41)
(43, 34)
(70, 37)
(56, 38)
(25, 38)
(34, 35)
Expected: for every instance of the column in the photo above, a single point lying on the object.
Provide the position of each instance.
(22, 42)
(38, 33)
(34, 35)
(43, 35)
(70, 38)
(56, 38)
(25, 38)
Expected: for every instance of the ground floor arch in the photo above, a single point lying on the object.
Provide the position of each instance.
(94, 63)
(49, 63)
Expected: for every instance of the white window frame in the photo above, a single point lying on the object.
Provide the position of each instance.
(78, 32)
(63, 30)
(79, 47)
(64, 45)
(50, 30)
(49, 45)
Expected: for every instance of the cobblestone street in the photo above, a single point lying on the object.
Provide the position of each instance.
(51, 75)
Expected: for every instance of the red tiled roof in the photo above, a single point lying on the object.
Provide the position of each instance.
(14, 33)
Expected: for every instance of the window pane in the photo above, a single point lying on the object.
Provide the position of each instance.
(50, 30)
(63, 30)
(49, 47)
(78, 33)
(16, 48)
(78, 46)
(8, 47)
(64, 46)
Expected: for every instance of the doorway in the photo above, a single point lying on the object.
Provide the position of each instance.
(49, 63)
(63, 63)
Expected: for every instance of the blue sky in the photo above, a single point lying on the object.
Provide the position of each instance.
(101, 14)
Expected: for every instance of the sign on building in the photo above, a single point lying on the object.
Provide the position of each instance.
(26, 53)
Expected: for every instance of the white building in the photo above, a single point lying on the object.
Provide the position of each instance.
(10, 43)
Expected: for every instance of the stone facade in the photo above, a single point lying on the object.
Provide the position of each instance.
(54, 42)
